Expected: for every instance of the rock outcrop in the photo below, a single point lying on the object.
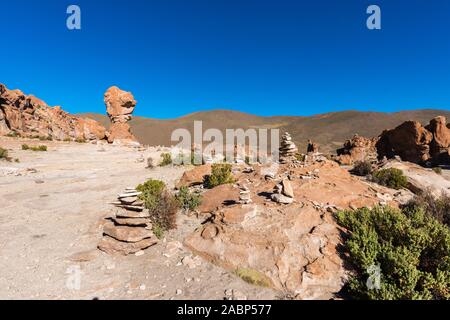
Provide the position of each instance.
(293, 245)
(357, 149)
(119, 107)
(29, 116)
(421, 179)
(416, 143)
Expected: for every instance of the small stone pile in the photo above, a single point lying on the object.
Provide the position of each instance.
(130, 229)
(244, 195)
(283, 193)
(287, 148)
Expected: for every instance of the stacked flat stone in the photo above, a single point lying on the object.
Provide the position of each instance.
(130, 229)
(283, 193)
(287, 149)
(244, 195)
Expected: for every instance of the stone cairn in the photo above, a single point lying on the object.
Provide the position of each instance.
(287, 149)
(130, 229)
(283, 193)
(244, 195)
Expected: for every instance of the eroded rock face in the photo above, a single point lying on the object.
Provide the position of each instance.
(119, 107)
(415, 143)
(357, 149)
(32, 117)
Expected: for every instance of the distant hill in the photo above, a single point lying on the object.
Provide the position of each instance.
(330, 130)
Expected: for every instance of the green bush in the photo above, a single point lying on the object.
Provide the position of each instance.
(300, 157)
(151, 192)
(411, 248)
(220, 174)
(392, 178)
(4, 154)
(38, 148)
(161, 204)
(362, 168)
(439, 208)
(13, 134)
(437, 170)
(166, 160)
(188, 200)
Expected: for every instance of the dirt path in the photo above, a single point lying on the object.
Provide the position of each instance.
(50, 224)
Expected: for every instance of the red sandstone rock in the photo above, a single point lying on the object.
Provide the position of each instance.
(119, 107)
(357, 149)
(30, 117)
(194, 177)
(415, 143)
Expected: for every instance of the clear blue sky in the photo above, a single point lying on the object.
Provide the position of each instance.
(273, 57)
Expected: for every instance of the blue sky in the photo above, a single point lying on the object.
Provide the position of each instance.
(263, 57)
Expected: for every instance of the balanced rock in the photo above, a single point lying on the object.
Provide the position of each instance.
(288, 149)
(130, 229)
(244, 195)
(119, 107)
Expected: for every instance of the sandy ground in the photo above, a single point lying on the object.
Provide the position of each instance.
(51, 222)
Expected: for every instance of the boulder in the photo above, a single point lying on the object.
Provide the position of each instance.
(357, 149)
(416, 143)
(194, 177)
(287, 189)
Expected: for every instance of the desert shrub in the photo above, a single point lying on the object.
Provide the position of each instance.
(254, 277)
(80, 140)
(410, 248)
(161, 204)
(166, 159)
(437, 170)
(67, 140)
(362, 168)
(300, 157)
(439, 208)
(4, 154)
(48, 138)
(188, 200)
(157, 230)
(220, 174)
(392, 178)
(151, 192)
(32, 148)
(13, 134)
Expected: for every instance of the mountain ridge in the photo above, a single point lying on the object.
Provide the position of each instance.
(329, 130)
